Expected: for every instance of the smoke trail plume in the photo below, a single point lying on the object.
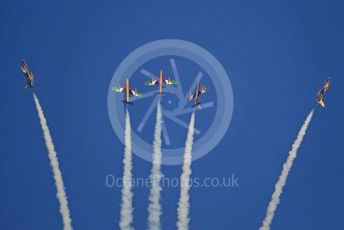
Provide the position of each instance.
(275, 198)
(154, 208)
(127, 195)
(61, 193)
(183, 204)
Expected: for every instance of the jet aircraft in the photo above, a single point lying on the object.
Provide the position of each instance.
(200, 89)
(161, 81)
(321, 93)
(127, 92)
(28, 74)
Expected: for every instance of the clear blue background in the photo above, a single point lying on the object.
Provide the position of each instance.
(278, 53)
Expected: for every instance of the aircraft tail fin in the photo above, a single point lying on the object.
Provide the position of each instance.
(198, 104)
(127, 102)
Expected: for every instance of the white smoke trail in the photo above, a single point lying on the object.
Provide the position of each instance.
(61, 194)
(275, 198)
(127, 195)
(154, 208)
(183, 204)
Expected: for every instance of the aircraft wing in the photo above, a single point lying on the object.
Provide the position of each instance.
(204, 89)
(170, 82)
(135, 93)
(152, 82)
(118, 89)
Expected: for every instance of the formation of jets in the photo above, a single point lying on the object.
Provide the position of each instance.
(321, 93)
(28, 74)
(159, 81)
(200, 89)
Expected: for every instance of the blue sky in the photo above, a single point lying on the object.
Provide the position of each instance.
(277, 55)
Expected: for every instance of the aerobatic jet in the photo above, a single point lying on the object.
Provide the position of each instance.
(200, 89)
(28, 74)
(321, 93)
(161, 81)
(127, 92)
